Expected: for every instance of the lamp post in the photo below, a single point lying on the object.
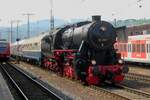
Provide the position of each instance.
(11, 30)
(115, 22)
(18, 21)
(28, 22)
(0, 31)
(51, 16)
(17, 39)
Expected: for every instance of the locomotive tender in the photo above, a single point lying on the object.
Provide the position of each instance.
(83, 50)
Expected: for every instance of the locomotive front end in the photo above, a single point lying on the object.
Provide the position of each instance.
(105, 62)
(101, 34)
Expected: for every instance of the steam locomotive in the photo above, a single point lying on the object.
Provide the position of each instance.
(84, 51)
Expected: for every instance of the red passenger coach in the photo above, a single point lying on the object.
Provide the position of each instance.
(137, 49)
(4, 50)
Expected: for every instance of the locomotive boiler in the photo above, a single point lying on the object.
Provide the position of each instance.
(85, 51)
(98, 34)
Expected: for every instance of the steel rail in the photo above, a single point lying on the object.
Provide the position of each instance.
(38, 83)
(135, 91)
(139, 77)
(117, 92)
(14, 83)
(33, 81)
(106, 91)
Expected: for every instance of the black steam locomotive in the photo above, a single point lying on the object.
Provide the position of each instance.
(85, 51)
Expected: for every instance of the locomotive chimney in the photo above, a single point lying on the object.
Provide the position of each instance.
(96, 18)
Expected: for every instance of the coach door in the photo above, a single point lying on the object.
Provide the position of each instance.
(139, 49)
(129, 50)
(148, 51)
(123, 50)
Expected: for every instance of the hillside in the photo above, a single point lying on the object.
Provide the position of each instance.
(43, 26)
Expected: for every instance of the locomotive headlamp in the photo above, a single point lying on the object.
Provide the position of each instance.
(120, 61)
(93, 62)
(103, 28)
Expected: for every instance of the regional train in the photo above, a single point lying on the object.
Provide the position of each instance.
(136, 49)
(4, 50)
(83, 51)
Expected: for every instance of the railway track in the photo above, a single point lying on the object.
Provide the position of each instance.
(28, 87)
(120, 92)
(110, 93)
(135, 91)
(137, 77)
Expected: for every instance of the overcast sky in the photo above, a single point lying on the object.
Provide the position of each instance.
(67, 9)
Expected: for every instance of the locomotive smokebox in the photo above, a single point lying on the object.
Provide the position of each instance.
(96, 18)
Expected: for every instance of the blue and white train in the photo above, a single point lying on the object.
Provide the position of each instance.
(29, 49)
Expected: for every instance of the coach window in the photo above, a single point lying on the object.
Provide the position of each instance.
(36, 43)
(138, 48)
(28, 46)
(128, 47)
(133, 47)
(147, 48)
(143, 48)
(125, 47)
(120, 47)
(129, 50)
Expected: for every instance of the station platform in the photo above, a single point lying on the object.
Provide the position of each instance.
(5, 93)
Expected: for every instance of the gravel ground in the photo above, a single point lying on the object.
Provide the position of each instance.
(70, 88)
